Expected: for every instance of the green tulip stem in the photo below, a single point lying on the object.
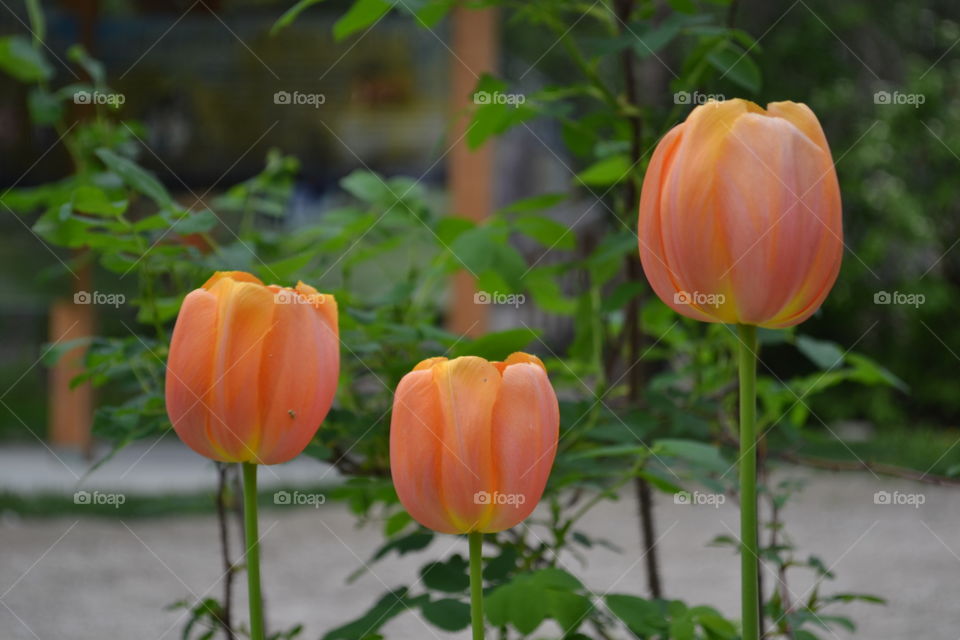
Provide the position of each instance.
(749, 565)
(253, 549)
(476, 583)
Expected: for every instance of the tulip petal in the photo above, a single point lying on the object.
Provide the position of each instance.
(416, 450)
(298, 375)
(526, 423)
(189, 368)
(780, 207)
(467, 389)
(245, 319)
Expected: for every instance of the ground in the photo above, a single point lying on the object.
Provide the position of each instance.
(91, 578)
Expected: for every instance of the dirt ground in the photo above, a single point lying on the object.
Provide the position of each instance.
(99, 579)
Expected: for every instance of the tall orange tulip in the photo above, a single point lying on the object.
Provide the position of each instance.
(740, 215)
(251, 375)
(472, 442)
(252, 368)
(740, 223)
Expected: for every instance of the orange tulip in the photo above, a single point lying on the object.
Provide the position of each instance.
(472, 442)
(252, 368)
(740, 216)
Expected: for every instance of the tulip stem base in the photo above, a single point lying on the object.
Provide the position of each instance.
(253, 549)
(749, 556)
(476, 583)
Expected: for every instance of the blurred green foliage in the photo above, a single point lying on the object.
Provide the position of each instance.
(646, 395)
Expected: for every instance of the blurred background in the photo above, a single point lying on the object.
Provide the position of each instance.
(282, 130)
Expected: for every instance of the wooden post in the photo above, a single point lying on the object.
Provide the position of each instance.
(70, 417)
(475, 45)
(71, 410)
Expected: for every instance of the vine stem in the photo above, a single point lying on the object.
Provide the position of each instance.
(476, 583)
(749, 565)
(253, 549)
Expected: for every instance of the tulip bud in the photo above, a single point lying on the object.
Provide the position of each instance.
(472, 442)
(740, 217)
(252, 368)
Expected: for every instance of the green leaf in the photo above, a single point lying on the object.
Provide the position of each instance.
(396, 523)
(734, 63)
(642, 617)
(535, 203)
(517, 603)
(717, 625)
(448, 614)
(450, 576)
(546, 231)
(700, 454)
(45, 108)
(98, 74)
(291, 14)
(361, 15)
(196, 222)
(492, 117)
(38, 22)
(608, 171)
(411, 542)
(826, 355)
(683, 6)
(427, 12)
(387, 607)
(546, 292)
(624, 293)
(497, 345)
(567, 608)
(135, 177)
(94, 200)
(20, 59)
(485, 248)
(284, 270)
(682, 629)
(53, 352)
(367, 186)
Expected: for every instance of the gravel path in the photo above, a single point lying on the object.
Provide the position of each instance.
(97, 579)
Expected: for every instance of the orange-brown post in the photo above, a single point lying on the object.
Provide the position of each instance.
(475, 40)
(70, 415)
(71, 410)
